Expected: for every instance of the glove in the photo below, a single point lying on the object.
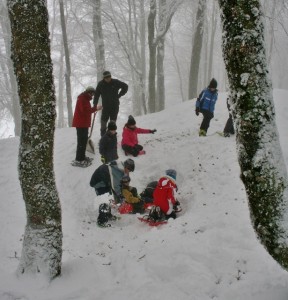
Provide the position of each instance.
(103, 159)
(177, 203)
(153, 131)
(197, 111)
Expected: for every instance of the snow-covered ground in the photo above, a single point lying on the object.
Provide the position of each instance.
(209, 252)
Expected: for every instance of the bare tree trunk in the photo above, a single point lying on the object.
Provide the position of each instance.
(166, 12)
(196, 51)
(177, 67)
(152, 57)
(259, 152)
(68, 66)
(160, 99)
(42, 245)
(143, 56)
(212, 41)
(98, 38)
(61, 122)
(14, 108)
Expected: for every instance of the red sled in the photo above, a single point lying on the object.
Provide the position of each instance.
(127, 208)
(151, 222)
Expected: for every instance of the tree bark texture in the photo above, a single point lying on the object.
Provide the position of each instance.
(259, 153)
(42, 246)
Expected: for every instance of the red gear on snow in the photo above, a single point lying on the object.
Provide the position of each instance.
(164, 194)
(83, 111)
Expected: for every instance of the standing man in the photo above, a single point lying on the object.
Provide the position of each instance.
(206, 104)
(82, 122)
(110, 90)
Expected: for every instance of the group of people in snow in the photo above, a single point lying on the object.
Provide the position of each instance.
(112, 178)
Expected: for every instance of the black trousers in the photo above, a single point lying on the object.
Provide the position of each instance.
(82, 138)
(229, 127)
(132, 150)
(109, 113)
(207, 117)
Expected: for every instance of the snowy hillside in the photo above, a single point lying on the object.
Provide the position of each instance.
(209, 252)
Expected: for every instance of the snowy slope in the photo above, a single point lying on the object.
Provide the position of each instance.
(209, 252)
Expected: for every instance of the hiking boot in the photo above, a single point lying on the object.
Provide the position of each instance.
(202, 132)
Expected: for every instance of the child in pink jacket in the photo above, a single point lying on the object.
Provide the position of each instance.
(130, 139)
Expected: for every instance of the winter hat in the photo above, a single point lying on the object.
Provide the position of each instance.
(129, 164)
(213, 84)
(125, 179)
(112, 125)
(171, 173)
(106, 74)
(131, 121)
(90, 89)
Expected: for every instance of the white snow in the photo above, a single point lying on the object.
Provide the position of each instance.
(209, 252)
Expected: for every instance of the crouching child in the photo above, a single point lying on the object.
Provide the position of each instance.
(164, 195)
(131, 196)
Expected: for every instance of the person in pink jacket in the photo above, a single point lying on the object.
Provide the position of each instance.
(130, 137)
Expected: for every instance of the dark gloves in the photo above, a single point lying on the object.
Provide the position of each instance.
(153, 131)
(197, 111)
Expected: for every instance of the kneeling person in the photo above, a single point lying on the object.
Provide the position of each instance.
(164, 194)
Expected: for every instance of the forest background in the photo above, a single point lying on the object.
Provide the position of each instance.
(187, 52)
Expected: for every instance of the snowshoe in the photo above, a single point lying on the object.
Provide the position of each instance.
(81, 164)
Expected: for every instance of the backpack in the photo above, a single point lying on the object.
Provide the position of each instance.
(147, 194)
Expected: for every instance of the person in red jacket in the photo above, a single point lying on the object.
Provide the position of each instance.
(164, 194)
(130, 139)
(82, 122)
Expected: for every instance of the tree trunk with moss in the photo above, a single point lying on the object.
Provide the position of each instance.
(259, 153)
(42, 246)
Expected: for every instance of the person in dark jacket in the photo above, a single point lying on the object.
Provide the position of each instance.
(108, 144)
(229, 127)
(107, 178)
(82, 122)
(205, 104)
(110, 90)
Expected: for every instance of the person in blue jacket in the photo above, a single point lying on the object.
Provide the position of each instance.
(206, 104)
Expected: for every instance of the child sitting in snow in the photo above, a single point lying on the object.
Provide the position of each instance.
(164, 195)
(130, 139)
(131, 196)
